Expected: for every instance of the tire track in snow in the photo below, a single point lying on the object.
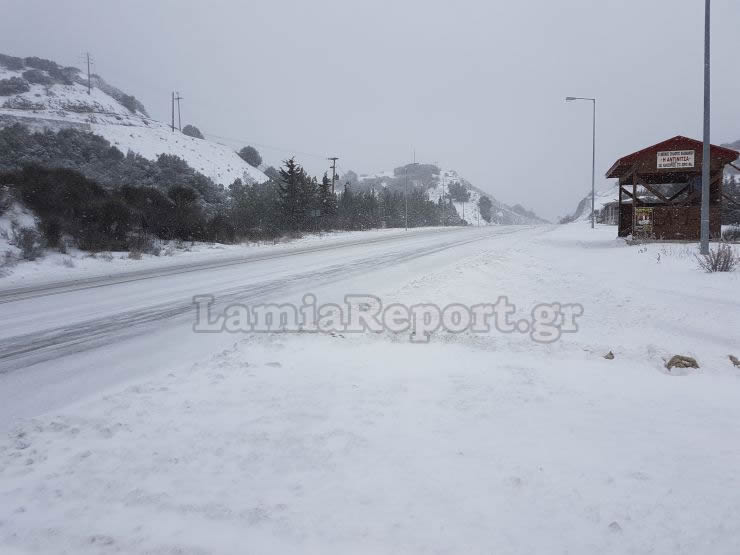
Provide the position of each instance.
(28, 349)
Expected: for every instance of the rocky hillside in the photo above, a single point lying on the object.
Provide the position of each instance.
(40, 94)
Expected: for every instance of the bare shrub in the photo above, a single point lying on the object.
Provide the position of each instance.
(106, 256)
(720, 259)
(144, 243)
(134, 255)
(67, 262)
(30, 242)
(22, 103)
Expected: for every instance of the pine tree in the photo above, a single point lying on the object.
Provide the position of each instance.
(347, 208)
(327, 203)
(484, 207)
(289, 189)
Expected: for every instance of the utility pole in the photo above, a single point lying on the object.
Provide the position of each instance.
(406, 192)
(705, 158)
(406, 198)
(444, 204)
(173, 111)
(178, 98)
(89, 83)
(593, 155)
(333, 160)
(593, 170)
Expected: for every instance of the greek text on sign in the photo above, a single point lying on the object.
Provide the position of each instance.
(672, 159)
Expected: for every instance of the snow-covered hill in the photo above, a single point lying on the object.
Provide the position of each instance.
(731, 171)
(436, 182)
(42, 95)
(604, 195)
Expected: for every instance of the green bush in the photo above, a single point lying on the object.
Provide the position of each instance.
(14, 85)
(192, 131)
(129, 102)
(11, 62)
(41, 63)
(37, 77)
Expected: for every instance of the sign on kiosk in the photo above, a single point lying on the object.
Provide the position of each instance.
(673, 159)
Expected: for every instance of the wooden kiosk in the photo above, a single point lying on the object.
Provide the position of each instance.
(660, 189)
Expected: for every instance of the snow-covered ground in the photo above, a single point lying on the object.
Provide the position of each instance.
(367, 443)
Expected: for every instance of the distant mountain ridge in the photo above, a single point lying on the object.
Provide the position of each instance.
(436, 181)
(40, 94)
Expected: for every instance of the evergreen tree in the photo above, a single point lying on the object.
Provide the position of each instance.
(327, 203)
(346, 209)
(251, 156)
(298, 194)
(289, 191)
(190, 131)
(484, 207)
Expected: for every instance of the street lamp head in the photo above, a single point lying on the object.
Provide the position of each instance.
(569, 98)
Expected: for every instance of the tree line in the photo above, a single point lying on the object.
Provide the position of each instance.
(86, 192)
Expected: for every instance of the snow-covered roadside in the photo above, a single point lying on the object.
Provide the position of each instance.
(469, 444)
(55, 267)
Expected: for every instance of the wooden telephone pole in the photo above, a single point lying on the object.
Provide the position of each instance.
(89, 84)
(333, 171)
(178, 98)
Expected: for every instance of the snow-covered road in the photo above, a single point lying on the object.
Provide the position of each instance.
(62, 341)
(137, 435)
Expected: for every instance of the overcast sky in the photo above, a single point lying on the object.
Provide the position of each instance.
(473, 85)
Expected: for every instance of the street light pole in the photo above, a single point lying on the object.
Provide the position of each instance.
(406, 190)
(593, 157)
(705, 159)
(406, 198)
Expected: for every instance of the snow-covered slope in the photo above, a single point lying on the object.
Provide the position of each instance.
(604, 195)
(731, 171)
(436, 183)
(500, 212)
(56, 97)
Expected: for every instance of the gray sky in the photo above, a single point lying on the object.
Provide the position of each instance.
(474, 85)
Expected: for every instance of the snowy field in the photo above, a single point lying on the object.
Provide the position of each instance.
(366, 443)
